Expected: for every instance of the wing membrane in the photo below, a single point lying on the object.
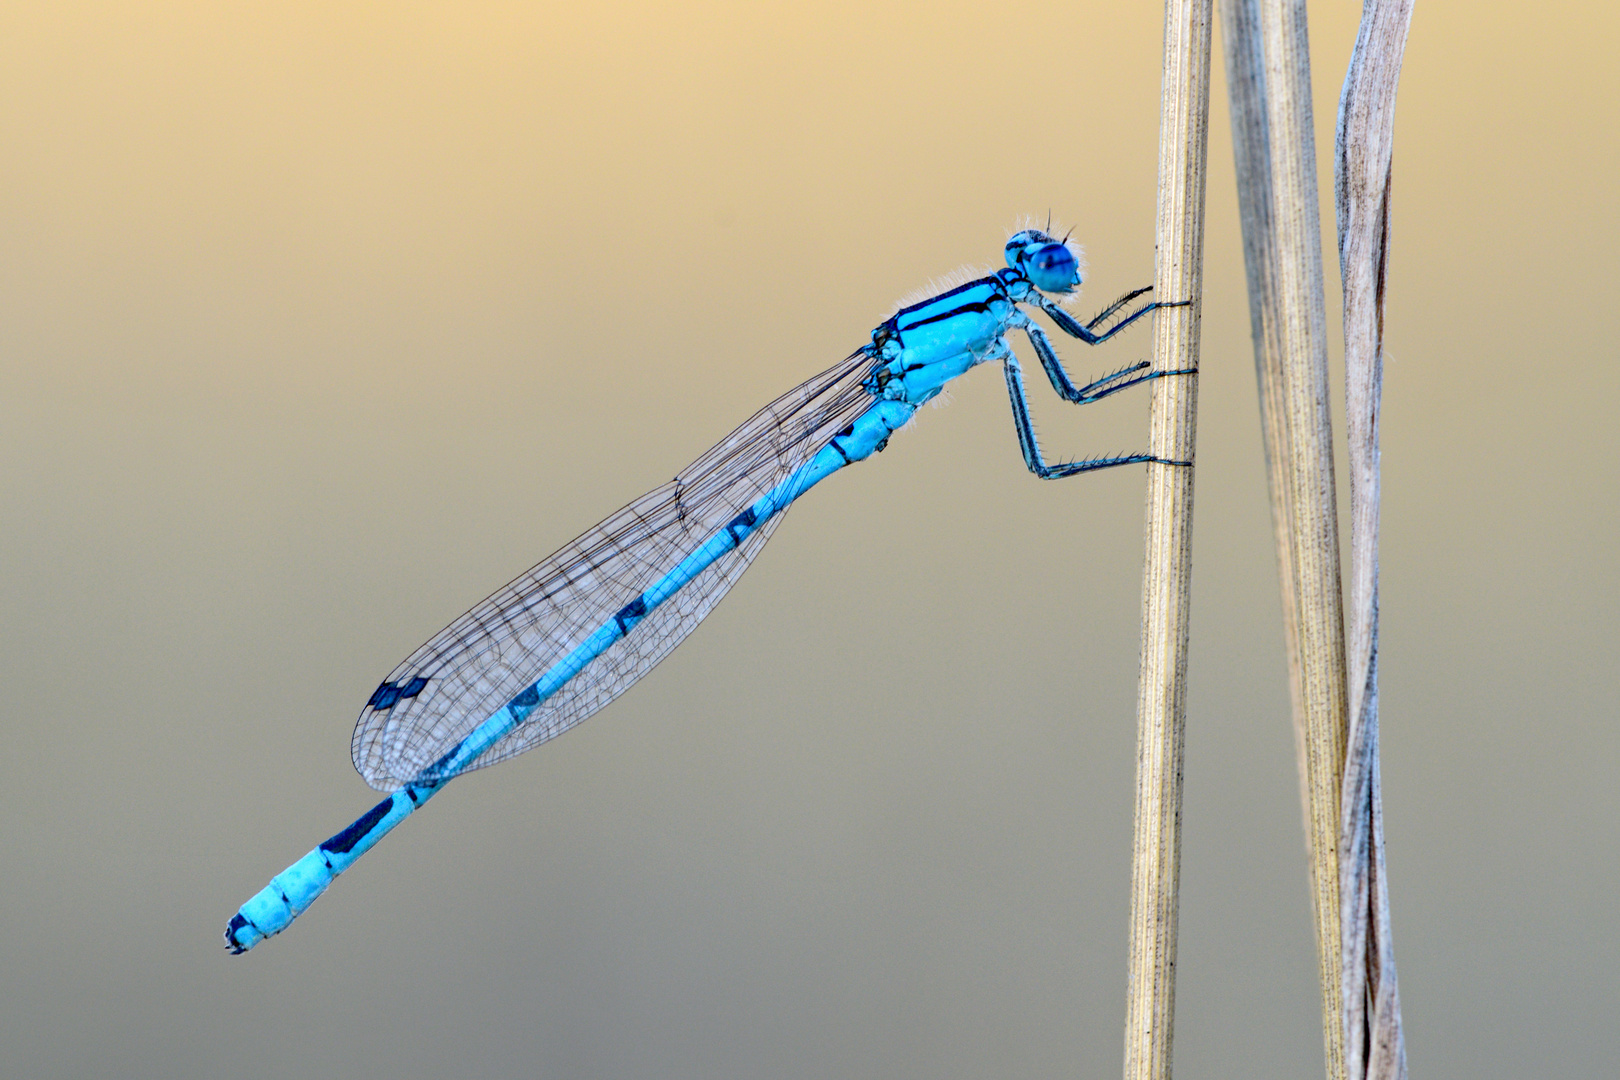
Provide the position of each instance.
(479, 662)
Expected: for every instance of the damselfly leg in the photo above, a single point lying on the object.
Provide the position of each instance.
(1031, 447)
(1123, 379)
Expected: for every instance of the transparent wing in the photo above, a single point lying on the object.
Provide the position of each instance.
(475, 665)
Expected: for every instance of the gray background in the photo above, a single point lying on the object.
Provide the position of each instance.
(319, 323)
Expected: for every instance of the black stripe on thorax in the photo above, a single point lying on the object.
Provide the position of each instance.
(947, 315)
(998, 291)
(993, 281)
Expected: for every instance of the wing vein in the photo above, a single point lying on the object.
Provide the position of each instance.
(502, 645)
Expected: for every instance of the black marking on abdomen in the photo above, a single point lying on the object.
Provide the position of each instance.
(741, 524)
(238, 921)
(521, 706)
(444, 760)
(628, 616)
(344, 842)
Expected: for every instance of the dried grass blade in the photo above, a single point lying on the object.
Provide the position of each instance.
(1374, 1043)
(1167, 569)
(1268, 76)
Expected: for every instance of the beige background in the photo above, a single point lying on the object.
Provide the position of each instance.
(317, 323)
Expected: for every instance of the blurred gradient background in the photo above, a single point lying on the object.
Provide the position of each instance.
(320, 322)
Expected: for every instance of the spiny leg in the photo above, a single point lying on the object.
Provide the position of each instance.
(1103, 315)
(1092, 391)
(1069, 325)
(1032, 448)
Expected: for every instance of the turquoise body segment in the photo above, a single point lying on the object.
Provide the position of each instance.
(596, 616)
(290, 892)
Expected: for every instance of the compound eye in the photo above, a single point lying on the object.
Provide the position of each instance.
(1020, 244)
(1053, 268)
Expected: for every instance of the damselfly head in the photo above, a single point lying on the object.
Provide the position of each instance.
(1051, 265)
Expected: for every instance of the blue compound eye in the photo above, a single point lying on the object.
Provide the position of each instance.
(1053, 268)
(1020, 243)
